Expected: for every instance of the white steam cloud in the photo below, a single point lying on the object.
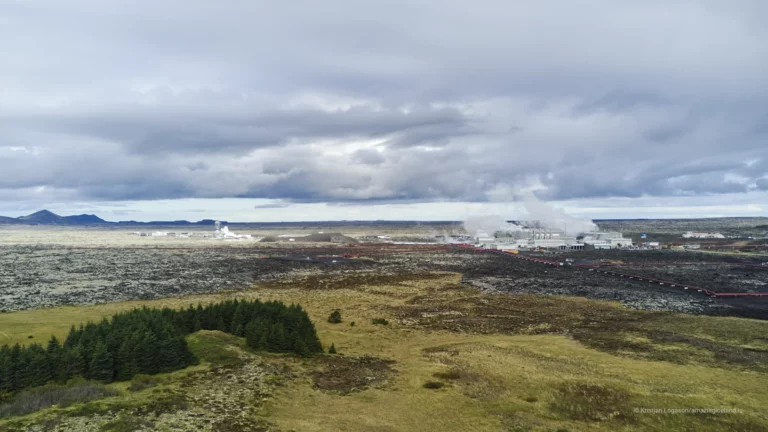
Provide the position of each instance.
(553, 218)
(534, 210)
(487, 223)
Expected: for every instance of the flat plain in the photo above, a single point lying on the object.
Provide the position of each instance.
(465, 341)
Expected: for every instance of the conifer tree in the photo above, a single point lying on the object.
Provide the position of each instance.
(72, 338)
(146, 355)
(7, 382)
(127, 367)
(54, 353)
(332, 349)
(220, 324)
(239, 320)
(101, 366)
(74, 362)
(22, 375)
(39, 371)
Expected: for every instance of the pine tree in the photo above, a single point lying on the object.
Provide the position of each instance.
(253, 333)
(73, 338)
(54, 353)
(239, 320)
(74, 362)
(146, 355)
(221, 325)
(171, 355)
(126, 361)
(38, 367)
(7, 384)
(22, 373)
(101, 366)
(332, 349)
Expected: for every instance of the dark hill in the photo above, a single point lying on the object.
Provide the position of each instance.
(43, 217)
(8, 220)
(84, 219)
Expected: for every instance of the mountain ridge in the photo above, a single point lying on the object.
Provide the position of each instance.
(47, 217)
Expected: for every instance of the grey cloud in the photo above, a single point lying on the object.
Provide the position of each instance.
(368, 157)
(204, 129)
(142, 100)
(272, 206)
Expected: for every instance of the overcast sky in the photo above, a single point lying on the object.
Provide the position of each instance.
(417, 109)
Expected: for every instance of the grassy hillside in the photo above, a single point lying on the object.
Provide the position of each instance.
(451, 359)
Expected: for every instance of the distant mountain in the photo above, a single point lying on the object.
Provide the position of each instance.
(7, 220)
(84, 219)
(45, 217)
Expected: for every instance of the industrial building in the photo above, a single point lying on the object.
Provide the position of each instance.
(703, 235)
(606, 240)
(530, 235)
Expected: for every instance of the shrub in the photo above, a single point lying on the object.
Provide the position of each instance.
(352, 324)
(141, 382)
(46, 396)
(380, 321)
(452, 374)
(433, 385)
(591, 402)
(335, 317)
(126, 424)
(332, 349)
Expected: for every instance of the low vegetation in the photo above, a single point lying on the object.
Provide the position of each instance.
(49, 395)
(142, 382)
(346, 375)
(505, 363)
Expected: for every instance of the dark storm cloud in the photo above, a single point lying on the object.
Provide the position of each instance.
(399, 101)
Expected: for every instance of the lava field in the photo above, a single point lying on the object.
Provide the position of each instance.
(42, 276)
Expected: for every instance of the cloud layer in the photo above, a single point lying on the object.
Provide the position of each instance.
(410, 101)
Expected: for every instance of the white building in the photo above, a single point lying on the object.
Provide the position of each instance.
(702, 235)
(514, 236)
(607, 240)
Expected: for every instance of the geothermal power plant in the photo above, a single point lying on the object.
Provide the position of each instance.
(535, 235)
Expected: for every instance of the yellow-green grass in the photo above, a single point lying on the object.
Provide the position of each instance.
(503, 372)
(492, 381)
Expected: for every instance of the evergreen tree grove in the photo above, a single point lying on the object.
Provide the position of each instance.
(149, 341)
